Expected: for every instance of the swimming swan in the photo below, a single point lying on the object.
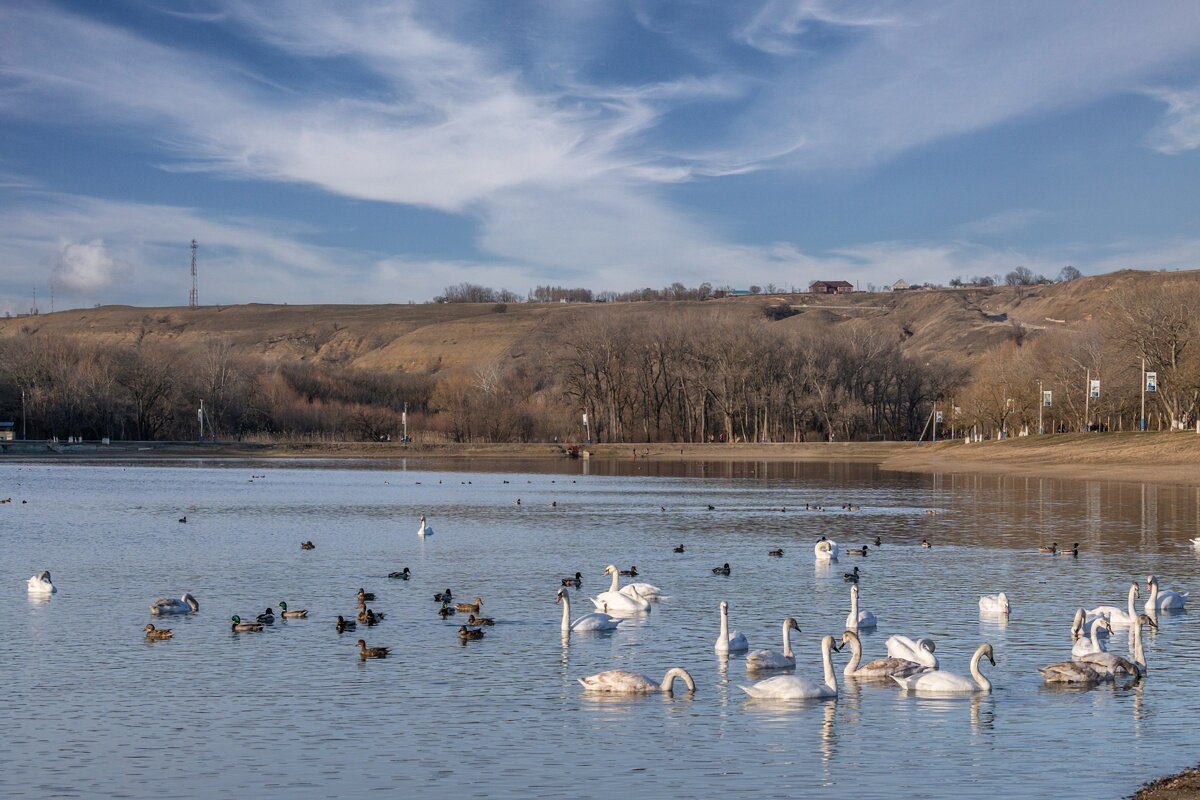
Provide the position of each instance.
(1119, 618)
(1165, 600)
(165, 606)
(1075, 672)
(920, 651)
(616, 602)
(729, 642)
(858, 619)
(424, 530)
(588, 622)
(620, 681)
(994, 604)
(644, 591)
(763, 660)
(790, 687)
(41, 583)
(945, 683)
(880, 667)
(1085, 645)
(826, 550)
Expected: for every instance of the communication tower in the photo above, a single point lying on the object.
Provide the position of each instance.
(192, 300)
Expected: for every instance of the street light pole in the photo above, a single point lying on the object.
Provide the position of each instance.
(1087, 400)
(24, 430)
(1041, 404)
(1142, 418)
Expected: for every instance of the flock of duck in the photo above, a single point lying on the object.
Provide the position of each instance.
(912, 664)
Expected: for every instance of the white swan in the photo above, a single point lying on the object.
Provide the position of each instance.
(729, 642)
(826, 550)
(763, 660)
(588, 622)
(1196, 542)
(424, 530)
(943, 683)
(1119, 618)
(920, 651)
(620, 681)
(41, 583)
(165, 606)
(620, 602)
(995, 604)
(645, 591)
(858, 619)
(790, 687)
(1165, 600)
(1109, 665)
(1084, 645)
(880, 667)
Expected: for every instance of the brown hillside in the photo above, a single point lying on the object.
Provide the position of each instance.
(954, 322)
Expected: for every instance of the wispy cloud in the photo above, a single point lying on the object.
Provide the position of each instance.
(1002, 222)
(1179, 131)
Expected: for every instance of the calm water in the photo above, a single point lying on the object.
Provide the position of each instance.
(92, 709)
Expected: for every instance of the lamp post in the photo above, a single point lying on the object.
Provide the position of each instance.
(24, 431)
(1142, 392)
(1041, 404)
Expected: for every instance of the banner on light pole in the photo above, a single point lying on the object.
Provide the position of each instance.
(1095, 387)
(585, 418)
(1047, 398)
(1151, 381)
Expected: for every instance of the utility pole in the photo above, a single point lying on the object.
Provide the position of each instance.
(1142, 418)
(1087, 400)
(24, 431)
(404, 420)
(193, 299)
(1041, 405)
(200, 416)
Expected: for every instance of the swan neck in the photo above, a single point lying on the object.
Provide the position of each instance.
(724, 624)
(566, 617)
(854, 607)
(827, 663)
(1132, 594)
(979, 677)
(682, 674)
(855, 655)
(787, 640)
(1154, 595)
(616, 581)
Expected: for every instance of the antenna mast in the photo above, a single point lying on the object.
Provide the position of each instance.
(192, 300)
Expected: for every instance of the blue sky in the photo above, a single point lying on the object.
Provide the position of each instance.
(376, 152)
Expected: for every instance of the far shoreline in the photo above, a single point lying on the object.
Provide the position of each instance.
(1151, 457)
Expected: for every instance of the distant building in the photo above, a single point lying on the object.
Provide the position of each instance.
(900, 285)
(831, 287)
(7, 431)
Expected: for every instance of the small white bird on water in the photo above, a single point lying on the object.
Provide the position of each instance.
(41, 583)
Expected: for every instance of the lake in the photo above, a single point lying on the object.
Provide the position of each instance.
(93, 709)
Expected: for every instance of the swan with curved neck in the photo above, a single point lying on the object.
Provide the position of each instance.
(595, 621)
(729, 641)
(921, 651)
(1164, 600)
(1109, 665)
(1119, 618)
(790, 687)
(184, 604)
(642, 590)
(856, 619)
(1085, 645)
(880, 667)
(944, 683)
(41, 583)
(995, 604)
(1075, 672)
(826, 550)
(424, 530)
(763, 660)
(620, 681)
(1139, 655)
(619, 602)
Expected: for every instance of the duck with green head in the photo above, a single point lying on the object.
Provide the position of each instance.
(299, 613)
(244, 627)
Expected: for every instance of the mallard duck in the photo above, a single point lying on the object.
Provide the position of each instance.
(446, 610)
(443, 597)
(373, 618)
(244, 627)
(851, 577)
(925, 543)
(299, 613)
(343, 625)
(878, 542)
(857, 551)
(307, 546)
(156, 634)
(365, 652)
(577, 581)
(630, 573)
(679, 549)
(472, 608)
(1052, 549)
(267, 617)
(364, 595)
(479, 621)
(466, 633)
(776, 553)
(402, 574)
(722, 570)
(1075, 549)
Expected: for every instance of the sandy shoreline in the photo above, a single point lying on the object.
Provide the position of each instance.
(1138, 457)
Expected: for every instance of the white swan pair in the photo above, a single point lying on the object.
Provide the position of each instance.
(791, 687)
(165, 606)
(425, 529)
(947, 683)
(595, 621)
(628, 600)
(826, 550)
(41, 583)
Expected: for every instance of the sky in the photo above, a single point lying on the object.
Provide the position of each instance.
(371, 152)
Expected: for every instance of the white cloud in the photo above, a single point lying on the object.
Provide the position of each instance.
(1002, 222)
(779, 26)
(85, 267)
(1180, 128)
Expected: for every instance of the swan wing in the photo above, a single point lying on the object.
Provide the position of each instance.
(938, 683)
(888, 668)
(768, 659)
(787, 687)
(619, 681)
(595, 622)
(641, 589)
